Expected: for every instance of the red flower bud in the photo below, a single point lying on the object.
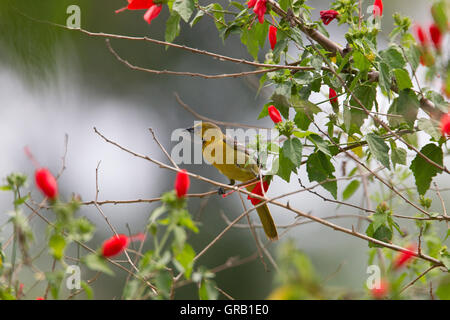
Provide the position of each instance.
(40, 298)
(381, 291)
(182, 183)
(445, 124)
(46, 182)
(328, 15)
(378, 8)
(405, 256)
(333, 96)
(260, 10)
(152, 13)
(436, 36)
(258, 190)
(421, 35)
(118, 243)
(274, 114)
(273, 36)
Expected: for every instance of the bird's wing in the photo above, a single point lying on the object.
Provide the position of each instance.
(250, 162)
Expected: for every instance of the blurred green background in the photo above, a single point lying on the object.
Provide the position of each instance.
(55, 81)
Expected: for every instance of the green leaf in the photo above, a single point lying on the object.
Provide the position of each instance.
(439, 11)
(97, 263)
(402, 78)
(354, 118)
(383, 233)
(430, 127)
(57, 245)
(172, 27)
(350, 189)
(378, 148)
(184, 259)
(207, 291)
(185, 8)
(285, 167)
(385, 77)
(197, 17)
(443, 290)
(320, 168)
(88, 290)
(219, 17)
(398, 156)
(360, 61)
(405, 105)
(393, 57)
(424, 171)
(292, 149)
(320, 143)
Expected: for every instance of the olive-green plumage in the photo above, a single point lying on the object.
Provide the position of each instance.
(233, 162)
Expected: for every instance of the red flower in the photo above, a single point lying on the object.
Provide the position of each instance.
(421, 35)
(152, 13)
(273, 36)
(258, 190)
(182, 183)
(445, 124)
(378, 8)
(333, 96)
(259, 7)
(274, 114)
(40, 298)
(328, 15)
(46, 182)
(381, 291)
(406, 255)
(118, 243)
(139, 4)
(436, 36)
(251, 3)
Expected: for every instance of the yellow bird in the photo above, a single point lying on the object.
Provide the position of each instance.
(233, 162)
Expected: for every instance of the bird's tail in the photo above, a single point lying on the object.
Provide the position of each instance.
(266, 220)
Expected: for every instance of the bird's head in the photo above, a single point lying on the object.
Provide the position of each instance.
(208, 131)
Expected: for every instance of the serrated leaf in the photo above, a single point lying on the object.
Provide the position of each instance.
(185, 259)
(292, 149)
(398, 156)
(393, 57)
(424, 171)
(320, 143)
(360, 61)
(185, 8)
(285, 167)
(402, 78)
(320, 168)
(379, 149)
(405, 105)
(429, 127)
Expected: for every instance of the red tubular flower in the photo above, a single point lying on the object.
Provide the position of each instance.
(445, 124)
(46, 182)
(152, 13)
(436, 36)
(328, 15)
(115, 245)
(40, 298)
(182, 183)
(274, 114)
(378, 8)
(258, 190)
(273, 36)
(260, 10)
(251, 3)
(333, 96)
(118, 243)
(405, 256)
(381, 291)
(139, 4)
(421, 35)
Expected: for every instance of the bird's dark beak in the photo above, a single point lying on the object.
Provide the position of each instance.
(191, 129)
